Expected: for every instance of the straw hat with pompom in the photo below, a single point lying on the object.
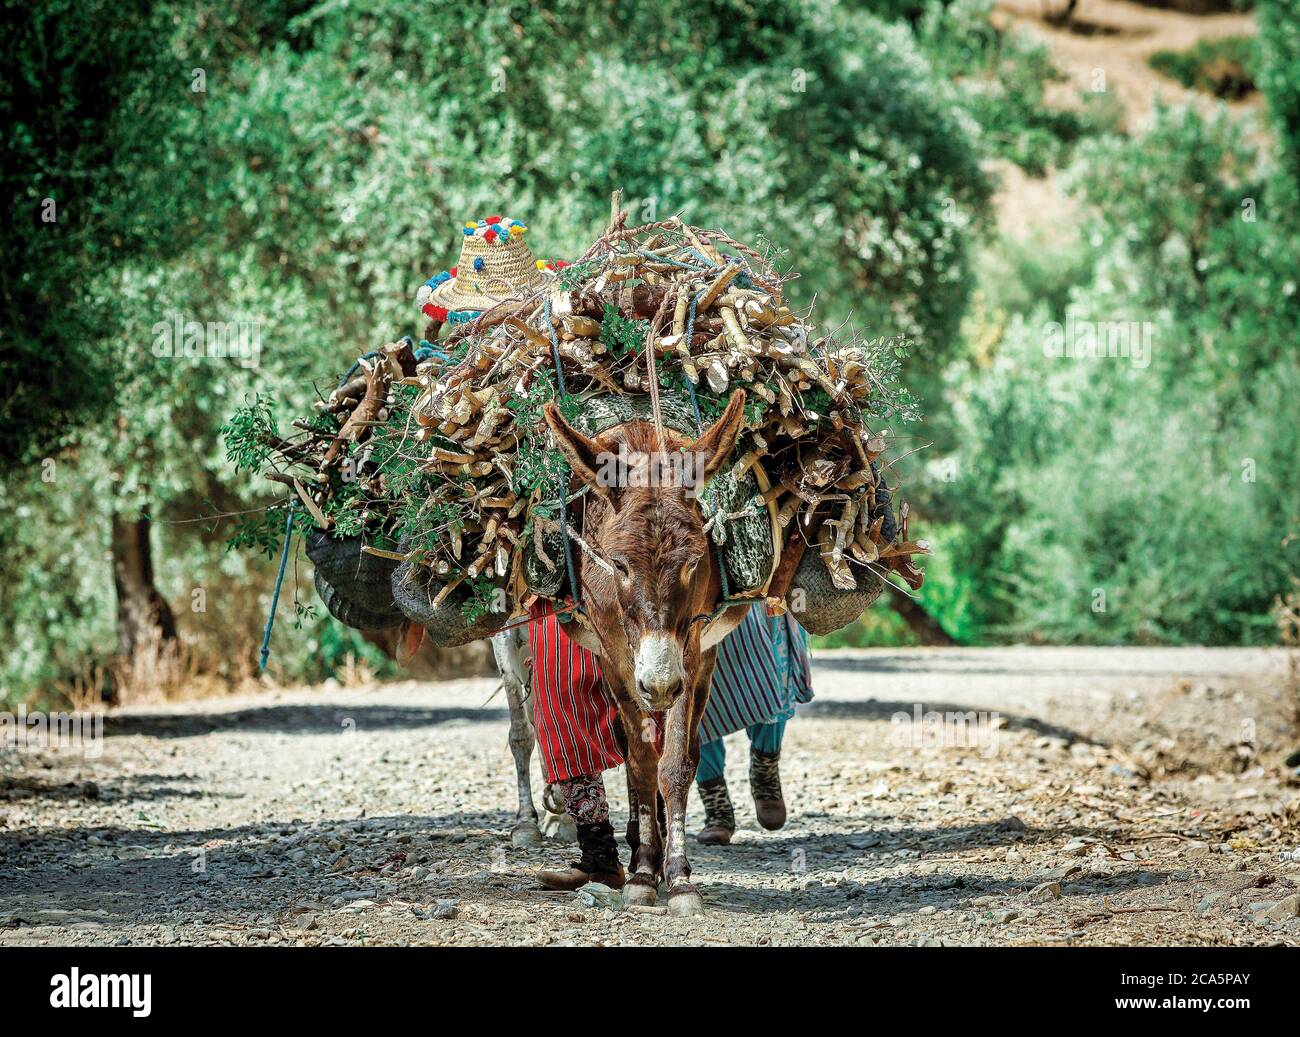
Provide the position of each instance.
(495, 264)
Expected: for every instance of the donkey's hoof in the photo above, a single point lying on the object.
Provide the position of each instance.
(685, 901)
(560, 827)
(525, 834)
(639, 891)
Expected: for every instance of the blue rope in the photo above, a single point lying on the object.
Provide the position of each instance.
(674, 262)
(353, 369)
(427, 351)
(279, 582)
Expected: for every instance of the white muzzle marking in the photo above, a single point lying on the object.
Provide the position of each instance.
(659, 669)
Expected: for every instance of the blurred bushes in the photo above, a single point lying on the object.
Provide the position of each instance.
(1002, 78)
(1279, 74)
(303, 166)
(1102, 500)
(1224, 67)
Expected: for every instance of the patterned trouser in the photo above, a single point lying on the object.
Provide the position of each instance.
(585, 798)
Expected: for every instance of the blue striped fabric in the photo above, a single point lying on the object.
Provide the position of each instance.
(762, 671)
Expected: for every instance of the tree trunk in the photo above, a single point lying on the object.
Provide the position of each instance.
(1060, 16)
(920, 622)
(144, 619)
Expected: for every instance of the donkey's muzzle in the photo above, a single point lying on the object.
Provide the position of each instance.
(658, 699)
(659, 671)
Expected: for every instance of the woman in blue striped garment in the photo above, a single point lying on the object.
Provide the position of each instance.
(763, 671)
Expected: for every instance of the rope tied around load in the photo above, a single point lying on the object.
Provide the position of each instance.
(569, 567)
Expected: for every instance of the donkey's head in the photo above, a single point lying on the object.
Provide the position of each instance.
(654, 574)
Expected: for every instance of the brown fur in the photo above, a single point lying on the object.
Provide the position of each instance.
(654, 535)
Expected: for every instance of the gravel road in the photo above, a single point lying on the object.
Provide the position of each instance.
(1097, 796)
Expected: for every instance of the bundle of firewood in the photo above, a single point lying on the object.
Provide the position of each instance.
(330, 463)
(449, 465)
(699, 314)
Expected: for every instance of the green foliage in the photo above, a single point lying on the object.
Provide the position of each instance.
(536, 466)
(482, 599)
(1001, 79)
(1019, 275)
(78, 110)
(1279, 74)
(247, 435)
(621, 335)
(329, 644)
(572, 276)
(262, 531)
(1109, 501)
(1107, 527)
(1224, 67)
(1202, 233)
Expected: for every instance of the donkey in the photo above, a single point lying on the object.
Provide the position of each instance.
(649, 585)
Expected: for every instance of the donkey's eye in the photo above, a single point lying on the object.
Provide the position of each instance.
(688, 570)
(621, 567)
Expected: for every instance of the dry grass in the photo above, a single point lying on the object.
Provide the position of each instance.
(172, 671)
(356, 673)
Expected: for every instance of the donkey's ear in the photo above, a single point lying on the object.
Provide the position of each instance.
(583, 454)
(714, 448)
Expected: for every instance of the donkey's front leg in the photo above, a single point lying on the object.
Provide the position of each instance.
(677, 765)
(510, 651)
(643, 836)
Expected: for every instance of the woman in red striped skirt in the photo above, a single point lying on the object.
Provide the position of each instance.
(575, 718)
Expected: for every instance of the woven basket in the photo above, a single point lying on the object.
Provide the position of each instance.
(540, 578)
(748, 551)
(601, 413)
(351, 614)
(445, 623)
(355, 586)
(827, 608)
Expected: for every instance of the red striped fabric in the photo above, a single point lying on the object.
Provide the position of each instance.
(573, 717)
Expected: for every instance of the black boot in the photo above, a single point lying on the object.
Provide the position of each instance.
(719, 814)
(599, 861)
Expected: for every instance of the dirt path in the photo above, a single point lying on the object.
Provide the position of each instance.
(1108, 45)
(1122, 796)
